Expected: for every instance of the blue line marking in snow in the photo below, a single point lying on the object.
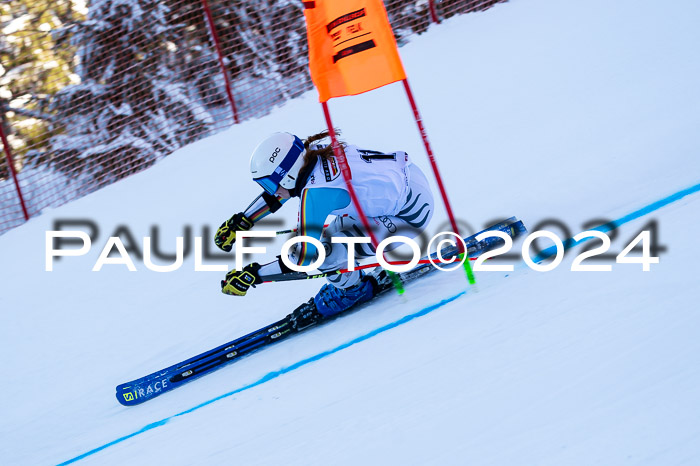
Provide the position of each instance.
(273, 375)
(570, 243)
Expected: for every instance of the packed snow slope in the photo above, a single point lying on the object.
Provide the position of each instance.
(537, 108)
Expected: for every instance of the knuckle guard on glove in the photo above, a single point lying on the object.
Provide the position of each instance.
(237, 283)
(226, 234)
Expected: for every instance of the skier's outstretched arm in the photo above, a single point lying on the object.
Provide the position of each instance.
(315, 206)
(263, 205)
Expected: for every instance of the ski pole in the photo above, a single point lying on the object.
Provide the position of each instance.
(283, 277)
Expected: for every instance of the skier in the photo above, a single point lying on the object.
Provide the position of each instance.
(393, 192)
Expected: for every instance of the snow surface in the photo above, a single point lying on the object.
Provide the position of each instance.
(540, 109)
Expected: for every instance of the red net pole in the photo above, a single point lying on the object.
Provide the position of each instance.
(10, 163)
(433, 14)
(220, 55)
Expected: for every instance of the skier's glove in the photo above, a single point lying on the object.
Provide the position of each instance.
(226, 234)
(237, 283)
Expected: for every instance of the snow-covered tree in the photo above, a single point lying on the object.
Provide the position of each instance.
(133, 105)
(33, 66)
(265, 50)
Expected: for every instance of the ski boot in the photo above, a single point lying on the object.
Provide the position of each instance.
(330, 300)
(304, 316)
(381, 280)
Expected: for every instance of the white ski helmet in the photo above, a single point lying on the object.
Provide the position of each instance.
(276, 162)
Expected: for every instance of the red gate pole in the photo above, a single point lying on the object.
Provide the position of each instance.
(220, 54)
(433, 164)
(433, 13)
(10, 163)
(347, 174)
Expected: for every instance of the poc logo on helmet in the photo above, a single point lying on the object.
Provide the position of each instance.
(275, 154)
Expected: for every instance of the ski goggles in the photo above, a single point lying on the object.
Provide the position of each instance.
(271, 183)
(268, 184)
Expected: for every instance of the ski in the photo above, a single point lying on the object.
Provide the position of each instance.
(157, 383)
